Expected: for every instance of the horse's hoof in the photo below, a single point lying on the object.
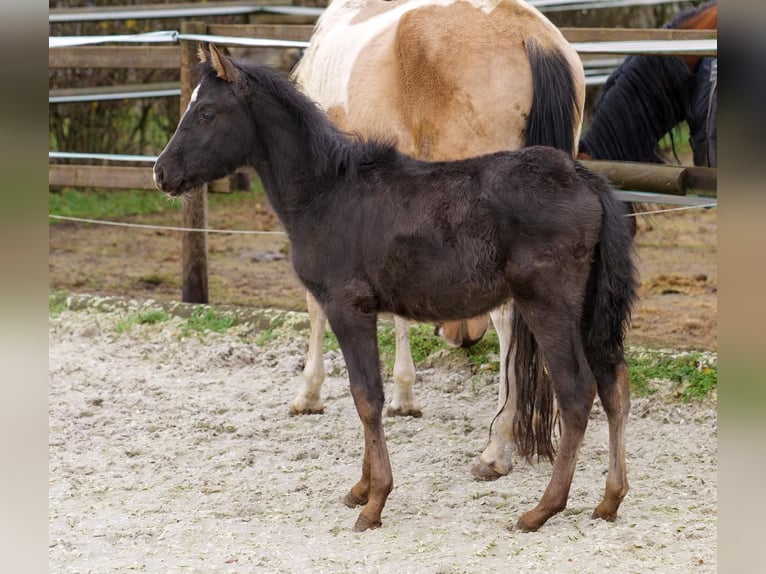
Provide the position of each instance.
(353, 501)
(485, 472)
(414, 412)
(363, 524)
(306, 410)
(609, 516)
(524, 526)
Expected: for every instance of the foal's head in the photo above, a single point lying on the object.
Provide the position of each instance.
(215, 132)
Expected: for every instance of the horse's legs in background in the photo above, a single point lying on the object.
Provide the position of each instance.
(357, 335)
(497, 458)
(559, 339)
(309, 400)
(403, 403)
(614, 392)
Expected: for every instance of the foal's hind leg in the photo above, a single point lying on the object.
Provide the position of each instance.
(559, 340)
(403, 403)
(309, 400)
(497, 458)
(614, 391)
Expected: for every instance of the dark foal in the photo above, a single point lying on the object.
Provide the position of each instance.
(373, 230)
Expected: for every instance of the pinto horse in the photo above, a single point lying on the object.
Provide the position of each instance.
(645, 97)
(373, 230)
(442, 80)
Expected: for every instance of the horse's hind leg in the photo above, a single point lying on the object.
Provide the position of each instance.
(614, 391)
(403, 403)
(357, 335)
(575, 388)
(309, 400)
(497, 458)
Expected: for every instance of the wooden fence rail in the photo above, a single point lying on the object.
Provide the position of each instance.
(664, 179)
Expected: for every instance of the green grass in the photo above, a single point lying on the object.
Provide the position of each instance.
(99, 204)
(269, 334)
(692, 376)
(204, 319)
(56, 303)
(150, 317)
(109, 204)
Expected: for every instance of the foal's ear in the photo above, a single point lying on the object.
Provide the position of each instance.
(223, 66)
(201, 53)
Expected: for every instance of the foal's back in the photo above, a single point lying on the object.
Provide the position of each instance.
(410, 228)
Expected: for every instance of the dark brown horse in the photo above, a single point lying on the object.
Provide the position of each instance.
(373, 230)
(647, 96)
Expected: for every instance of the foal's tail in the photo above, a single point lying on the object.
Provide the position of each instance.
(613, 284)
(555, 116)
(611, 290)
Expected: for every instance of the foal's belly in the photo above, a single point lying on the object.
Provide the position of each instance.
(439, 286)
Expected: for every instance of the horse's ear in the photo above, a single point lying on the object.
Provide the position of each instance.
(201, 53)
(223, 66)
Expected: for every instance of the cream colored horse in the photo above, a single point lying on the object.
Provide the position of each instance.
(444, 80)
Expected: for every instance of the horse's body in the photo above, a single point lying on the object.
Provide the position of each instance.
(373, 230)
(645, 97)
(442, 80)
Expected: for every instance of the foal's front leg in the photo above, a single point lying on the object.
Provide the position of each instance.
(357, 336)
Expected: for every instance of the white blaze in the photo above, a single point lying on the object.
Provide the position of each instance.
(193, 99)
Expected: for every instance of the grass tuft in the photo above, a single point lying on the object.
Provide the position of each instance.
(150, 317)
(204, 319)
(693, 375)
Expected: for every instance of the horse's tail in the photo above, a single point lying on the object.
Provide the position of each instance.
(555, 115)
(610, 293)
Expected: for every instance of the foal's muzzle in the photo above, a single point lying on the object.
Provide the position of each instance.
(162, 183)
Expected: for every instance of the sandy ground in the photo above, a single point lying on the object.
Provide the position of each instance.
(172, 454)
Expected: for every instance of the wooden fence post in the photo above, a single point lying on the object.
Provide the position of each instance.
(193, 243)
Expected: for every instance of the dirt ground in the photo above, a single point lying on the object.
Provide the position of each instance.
(677, 262)
(176, 454)
(171, 454)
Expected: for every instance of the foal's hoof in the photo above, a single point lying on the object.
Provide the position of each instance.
(413, 411)
(486, 472)
(532, 520)
(524, 526)
(363, 524)
(353, 501)
(604, 514)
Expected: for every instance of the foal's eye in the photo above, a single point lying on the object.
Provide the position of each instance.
(206, 116)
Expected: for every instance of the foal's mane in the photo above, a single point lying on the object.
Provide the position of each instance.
(331, 150)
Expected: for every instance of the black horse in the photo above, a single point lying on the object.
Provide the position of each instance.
(373, 230)
(645, 97)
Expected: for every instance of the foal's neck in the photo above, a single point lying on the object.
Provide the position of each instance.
(296, 146)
